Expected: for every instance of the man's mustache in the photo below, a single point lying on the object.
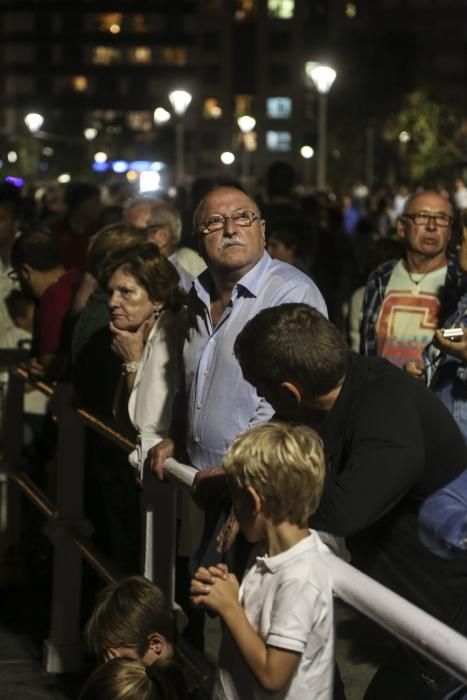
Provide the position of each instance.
(231, 240)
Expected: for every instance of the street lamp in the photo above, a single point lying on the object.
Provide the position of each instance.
(307, 153)
(161, 116)
(227, 157)
(246, 124)
(323, 78)
(33, 121)
(180, 101)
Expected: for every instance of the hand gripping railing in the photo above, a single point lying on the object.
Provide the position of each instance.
(414, 627)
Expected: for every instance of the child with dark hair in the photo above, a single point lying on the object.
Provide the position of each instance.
(132, 622)
(131, 618)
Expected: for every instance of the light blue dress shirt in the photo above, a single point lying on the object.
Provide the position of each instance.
(221, 404)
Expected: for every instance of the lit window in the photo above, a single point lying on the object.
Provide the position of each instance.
(139, 24)
(105, 55)
(79, 83)
(351, 10)
(174, 56)
(244, 10)
(243, 105)
(281, 9)
(110, 22)
(212, 108)
(278, 140)
(279, 107)
(139, 121)
(140, 54)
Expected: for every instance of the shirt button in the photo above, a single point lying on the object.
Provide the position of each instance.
(198, 405)
(197, 438)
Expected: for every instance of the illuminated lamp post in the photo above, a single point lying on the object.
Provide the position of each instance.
(180, 101)
(323, 77)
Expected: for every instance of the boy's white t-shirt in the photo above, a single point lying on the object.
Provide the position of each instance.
(288, 600)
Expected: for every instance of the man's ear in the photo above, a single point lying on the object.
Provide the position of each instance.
(291, 392)
(26, 271)
(160, 236)
(263, 229)
(400, 228)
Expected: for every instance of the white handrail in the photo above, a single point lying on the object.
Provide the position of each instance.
(424, 633)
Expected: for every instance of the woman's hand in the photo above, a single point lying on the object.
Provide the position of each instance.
(129, 345)
(457, 348)
(158, 454)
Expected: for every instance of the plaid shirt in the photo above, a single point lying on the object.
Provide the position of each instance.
(375, 292)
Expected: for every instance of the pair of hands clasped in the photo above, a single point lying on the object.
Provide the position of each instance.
(456, 348)
(215, 588)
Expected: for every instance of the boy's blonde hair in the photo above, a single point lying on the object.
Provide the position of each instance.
(285, 464)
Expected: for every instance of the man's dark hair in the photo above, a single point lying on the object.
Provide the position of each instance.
(37, 249)
(296, 343)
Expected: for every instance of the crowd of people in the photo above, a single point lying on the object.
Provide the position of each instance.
(308, 359)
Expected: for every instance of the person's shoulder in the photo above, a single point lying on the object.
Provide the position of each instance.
(283, 283)
(287, 272)
(382, 270)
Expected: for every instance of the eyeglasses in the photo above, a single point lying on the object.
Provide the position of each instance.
(216, 222)
(422, 218)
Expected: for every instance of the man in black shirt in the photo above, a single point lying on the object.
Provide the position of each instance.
(389, 443)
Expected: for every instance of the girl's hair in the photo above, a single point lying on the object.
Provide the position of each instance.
(151, 270)
(127, 679)
(126, 614)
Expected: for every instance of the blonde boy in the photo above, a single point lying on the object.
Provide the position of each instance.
(278, 625)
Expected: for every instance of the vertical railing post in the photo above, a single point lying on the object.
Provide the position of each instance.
(159, 506)
(10, 502)
(63, 648)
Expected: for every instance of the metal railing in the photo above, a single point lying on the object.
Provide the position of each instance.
(69, 532)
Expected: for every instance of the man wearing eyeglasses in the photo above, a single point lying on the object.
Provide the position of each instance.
(240, 280)
(401, 308)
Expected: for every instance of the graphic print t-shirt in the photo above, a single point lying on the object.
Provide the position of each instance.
(408, 314)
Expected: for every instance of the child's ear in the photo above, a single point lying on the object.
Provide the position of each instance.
(158, 644)
(256, 500)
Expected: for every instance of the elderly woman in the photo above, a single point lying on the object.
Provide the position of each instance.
(147, 325)
(95, 372)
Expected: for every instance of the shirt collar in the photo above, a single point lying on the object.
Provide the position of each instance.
(273, 564)
(252, 282)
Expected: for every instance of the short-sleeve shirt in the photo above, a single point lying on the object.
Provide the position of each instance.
(408, 314)
(288, 600)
